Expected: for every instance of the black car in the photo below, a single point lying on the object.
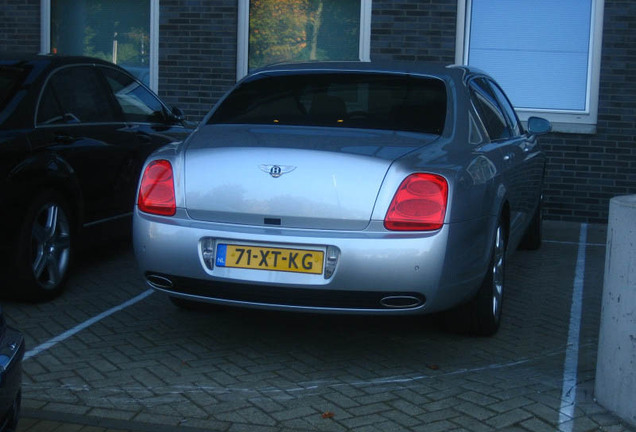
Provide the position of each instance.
(11, 355)
(74, 133)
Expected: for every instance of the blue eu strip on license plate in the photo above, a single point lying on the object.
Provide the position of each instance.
(221, 252)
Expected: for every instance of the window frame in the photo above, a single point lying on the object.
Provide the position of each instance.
(45, 38)
(584, 121)
(244, 28)
(156, 117)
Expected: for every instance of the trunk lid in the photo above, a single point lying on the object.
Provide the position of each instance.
(294, 177)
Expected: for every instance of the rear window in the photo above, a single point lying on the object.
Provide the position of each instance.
(369, 101)
(10, 80)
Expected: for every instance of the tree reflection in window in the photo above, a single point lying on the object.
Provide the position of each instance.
(303, 30)
(114, 30)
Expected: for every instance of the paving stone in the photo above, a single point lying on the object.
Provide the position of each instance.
(509, 418)
(537, 425)
(473, 424)
(440, 426)
(474, 411)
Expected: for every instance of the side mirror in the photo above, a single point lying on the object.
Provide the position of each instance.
(176, 114)
(538, 126)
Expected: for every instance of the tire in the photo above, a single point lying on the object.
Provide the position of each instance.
(485, 309)
(44, 248)
(532, 238)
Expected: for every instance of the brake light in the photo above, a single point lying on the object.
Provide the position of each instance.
(419, 204)
(156, 192)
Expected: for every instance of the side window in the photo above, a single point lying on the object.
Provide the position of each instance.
(136, 102)
(80, 96)
(474, 133)
(49, 110)
(488, 110)
(508, 110)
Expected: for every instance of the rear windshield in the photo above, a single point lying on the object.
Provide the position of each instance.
(369, 101)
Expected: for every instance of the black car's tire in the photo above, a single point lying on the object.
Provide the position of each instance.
(44, 248)
(532, 237)
(485, 309)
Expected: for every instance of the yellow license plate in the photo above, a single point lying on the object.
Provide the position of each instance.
(267, 258)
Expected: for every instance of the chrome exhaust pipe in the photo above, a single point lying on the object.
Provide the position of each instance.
(160, 282)
(401, 302)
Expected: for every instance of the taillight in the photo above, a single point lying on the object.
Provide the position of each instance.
(419, 204)
(156, 193)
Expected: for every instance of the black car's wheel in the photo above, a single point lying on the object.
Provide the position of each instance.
(532, 237)
(485, 308)
(44, 247)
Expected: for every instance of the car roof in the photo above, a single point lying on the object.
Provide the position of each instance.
(16, 58)
(411, 68)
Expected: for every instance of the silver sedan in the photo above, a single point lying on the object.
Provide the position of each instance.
(346, 188)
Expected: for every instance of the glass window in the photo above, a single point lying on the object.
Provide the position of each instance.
(508, 110)
(274, 31)
(370, 101)
(474, 133)
(137, 103)
(488, 109)
(114, 30)
(544, 54)
(80, 95)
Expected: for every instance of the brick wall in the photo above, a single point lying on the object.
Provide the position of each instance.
(20, 25)
(413, 30)
(197, 52)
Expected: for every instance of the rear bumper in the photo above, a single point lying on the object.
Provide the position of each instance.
(377, 272)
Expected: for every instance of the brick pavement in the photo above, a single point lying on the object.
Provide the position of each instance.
(154, 367)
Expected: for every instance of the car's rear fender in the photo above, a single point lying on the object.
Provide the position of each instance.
(45, 171)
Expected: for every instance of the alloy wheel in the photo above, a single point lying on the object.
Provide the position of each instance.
(498, 272)
(50, 245)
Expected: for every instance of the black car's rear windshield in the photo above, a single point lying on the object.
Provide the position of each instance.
(353, 100)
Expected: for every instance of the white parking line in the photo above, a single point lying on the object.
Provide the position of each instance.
(67, 334)
(570, 366)
(574, 243)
